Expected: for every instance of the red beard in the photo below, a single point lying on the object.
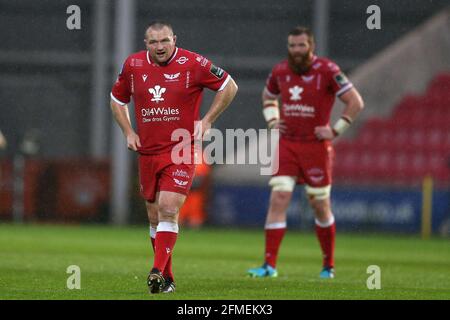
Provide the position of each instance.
(300, 66)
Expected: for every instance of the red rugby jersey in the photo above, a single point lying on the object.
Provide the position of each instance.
(306, 99)
(166, 97)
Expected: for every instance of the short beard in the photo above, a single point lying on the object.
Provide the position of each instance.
(300, 67)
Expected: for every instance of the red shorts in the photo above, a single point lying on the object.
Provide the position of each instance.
(310, 162)
(159, 173)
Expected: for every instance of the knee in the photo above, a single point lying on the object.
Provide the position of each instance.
(279, 202)
(321, 208)
(168, 212)
(318, 206)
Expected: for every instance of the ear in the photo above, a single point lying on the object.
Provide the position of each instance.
(174, 39)
(146, 43)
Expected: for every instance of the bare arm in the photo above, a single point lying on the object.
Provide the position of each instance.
(353, 106)
(221, 101)
(122, 117)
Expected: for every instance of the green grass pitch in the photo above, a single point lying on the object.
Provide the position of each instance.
(212, 264)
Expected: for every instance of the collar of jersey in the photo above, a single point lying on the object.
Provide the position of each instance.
(174, 54)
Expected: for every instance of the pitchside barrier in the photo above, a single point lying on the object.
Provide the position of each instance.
(64, 190)
(78, 190)
(355, 208)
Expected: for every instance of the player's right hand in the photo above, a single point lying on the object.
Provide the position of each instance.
(133, 141)
(278, 124)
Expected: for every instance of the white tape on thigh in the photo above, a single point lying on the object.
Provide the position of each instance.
(319, 193)
(282, 183)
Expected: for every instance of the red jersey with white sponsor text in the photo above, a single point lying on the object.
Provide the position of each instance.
(166, 97)
(306, 99)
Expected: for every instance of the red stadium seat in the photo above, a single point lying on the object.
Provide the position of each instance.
(446, 139)
(342, 145)
(399, 138)
(403, 149)
(440, 83)
(401, 165)
(418, 137)
(382, 170)
(344, 164)
(377, 137)
(366, 137)
(410, 119)
(405, 104)
(370, 133)
(435, 138)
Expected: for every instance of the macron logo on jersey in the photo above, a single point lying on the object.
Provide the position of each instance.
(157, 93)
(295, 93)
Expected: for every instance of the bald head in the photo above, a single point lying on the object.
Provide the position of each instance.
(159, 25)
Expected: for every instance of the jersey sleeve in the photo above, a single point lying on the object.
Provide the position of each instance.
(209, 75)
(339, 83)
(121, 90)
(272, 89)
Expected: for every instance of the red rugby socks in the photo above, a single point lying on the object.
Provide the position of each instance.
(166, 237)
(167, 273)
(326, 234)
(274, 235)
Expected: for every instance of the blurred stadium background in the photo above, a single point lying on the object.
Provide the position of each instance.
(65, 161)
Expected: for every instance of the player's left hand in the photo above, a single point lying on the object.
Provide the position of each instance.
(324, 133)
(201, 129)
